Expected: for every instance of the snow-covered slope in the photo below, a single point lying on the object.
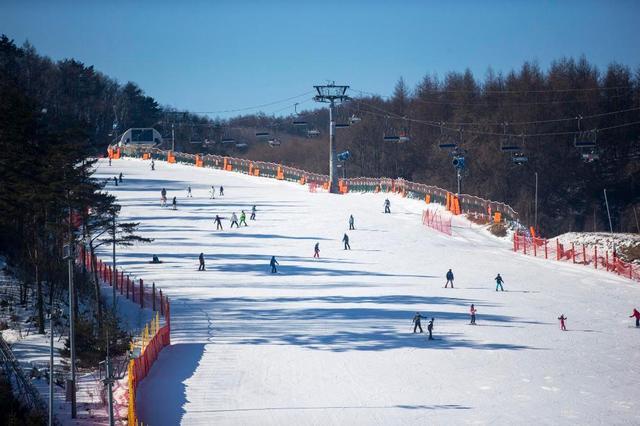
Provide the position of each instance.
(329, 340)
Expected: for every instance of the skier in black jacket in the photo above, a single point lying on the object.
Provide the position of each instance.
(416, 322)
(449, 279)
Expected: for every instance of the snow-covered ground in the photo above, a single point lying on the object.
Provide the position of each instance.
(329, 340)
(604, 241)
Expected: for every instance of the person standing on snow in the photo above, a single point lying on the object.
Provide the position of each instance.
(115, 180)
(473, 311)
(499, 282)
(234, 219)
(221, 190)
(175, 203)
(351, 222)
(218, 223)
(163, 197)
(109, 161)
(243, 218)
(562, 319)
(416, 322)
(387, 206)
(153, 165)
(637, 315)
(316, 250)
(213, 192)
(120, 177)
(201, 258)
(273, 264)
(345, 239)
(430, 329)
(253, 213)
(449, 279)
(189, 191)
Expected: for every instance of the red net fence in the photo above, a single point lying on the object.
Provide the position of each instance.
(575, 253)
(437, 220)
(153, 338)
(463, 203)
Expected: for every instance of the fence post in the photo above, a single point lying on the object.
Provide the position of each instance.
(141, 294)
(557, 249)
(606, 260)
(133, 291)
(524, 244)
(584, 255)
(515, 237)
(121, 281)
(573, 252)
(161, 304)
(595, 254)
(128, 281)
(545, 249)
(153, 298)
(535, 249)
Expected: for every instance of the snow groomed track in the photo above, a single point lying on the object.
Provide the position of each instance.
(330, 341)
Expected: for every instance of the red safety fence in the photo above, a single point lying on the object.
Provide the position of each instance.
(575, 253)
(437, 220)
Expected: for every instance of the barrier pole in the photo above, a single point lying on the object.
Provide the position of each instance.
(141, 294)
(595, 254)
(573, 252)
(153, 298)
(545, 249)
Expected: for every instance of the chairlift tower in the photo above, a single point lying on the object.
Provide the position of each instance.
(332, 94)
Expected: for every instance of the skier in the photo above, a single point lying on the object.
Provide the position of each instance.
(387, 206)
(243, 218)
(109, 161)
(201, 258)
(189, 192)
(175, 204)
(449, 279)
(351, 221)
(153, 165)
(213, 192)
(218, 223)
(120, 177)
(473, 311)
(562, 319)
(163, 197)
(499, 282)
(253, 213)
(234, 219)
(316, 250)
(430, 329)
(416, 322)
(115, 180)
(221, 190)
(345, 239)
(637, 315)
(273, 264)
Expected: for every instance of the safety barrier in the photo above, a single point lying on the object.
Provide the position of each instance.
(456, 203)
(433, 219)
(577, 253)
(153, 338)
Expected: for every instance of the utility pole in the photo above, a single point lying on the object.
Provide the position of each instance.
(114, 275)
(331, 94)
(608, 213)
(173, 138)
(51, 359)
(535, 220)
(72, 319)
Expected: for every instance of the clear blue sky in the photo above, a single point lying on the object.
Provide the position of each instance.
(218, 55)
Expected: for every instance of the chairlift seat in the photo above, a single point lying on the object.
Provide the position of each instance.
(391, 138)
(241, 145)
(583, 143)
(313, 132)
(262, 134)
(403, 139)
(519, 159)
(342, 125)
(446, 145)
(228, 140)
(299, 123)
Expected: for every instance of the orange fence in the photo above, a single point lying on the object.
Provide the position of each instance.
(433, 219)
(576, 253)
(153, 337)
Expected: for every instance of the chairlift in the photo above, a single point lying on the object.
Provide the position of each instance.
(241, 145)
(585, 140)
(342, 125)
(274, 142)
(313, 133)
(391, 138)
(262, 134)
(404, 139)
(519, 158)
(298, 122)
(354, 119)
(444, 141)
(227, 140)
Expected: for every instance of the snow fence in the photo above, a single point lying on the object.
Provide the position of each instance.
(455, 203)
(146, 347)
(576, 253)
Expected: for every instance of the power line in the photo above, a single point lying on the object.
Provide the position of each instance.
(583, 89)
(245, 108)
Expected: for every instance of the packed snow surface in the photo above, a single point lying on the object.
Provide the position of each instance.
(330, 340)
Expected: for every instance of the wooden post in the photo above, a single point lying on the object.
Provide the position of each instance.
(121, 281)
(141, 293)
(133, 290)
(545, 249)
(524, 244)
(557, 249)
(535, 249)
(584, 255)
(153, 298)
(128, 283)
(606, 260)
(573, 252)
(595, 254)
(161, 304)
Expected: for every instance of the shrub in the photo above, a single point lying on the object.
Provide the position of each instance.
(498, 229)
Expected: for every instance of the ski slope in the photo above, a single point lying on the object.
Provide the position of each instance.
(329, 340)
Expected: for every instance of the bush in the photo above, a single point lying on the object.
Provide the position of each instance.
(12, 412)
(630, 253)
(498, 229)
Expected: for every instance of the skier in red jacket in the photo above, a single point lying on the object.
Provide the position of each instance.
(562, 319)
(637, 315)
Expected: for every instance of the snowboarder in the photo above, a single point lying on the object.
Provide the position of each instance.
(316, 250)
(213, 192)
(153, 165)
(218, 223)
(449, 279)
(430, 329)
(201, 258)
(174, 203)
(473, 311)
(243, 218)
(562, 319)
(189, 192)
(115, 180)
(637, 315)
(351, 222)
(253, 213)
(499, 282)
(120, 177)
(345, 239)
(273, 264)
(163, 197)
(234, 219)
(387, 206)
(416, 322)
(221, 190)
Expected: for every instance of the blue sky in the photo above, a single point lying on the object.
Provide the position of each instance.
(219, 55)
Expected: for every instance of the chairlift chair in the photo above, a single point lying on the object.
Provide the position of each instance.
(274, 142)
(228, 140)
(241, 145)
(519, 158)
(312, 133)
(262, 134)
(342, 125)
(298, 122)
(391, 138)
